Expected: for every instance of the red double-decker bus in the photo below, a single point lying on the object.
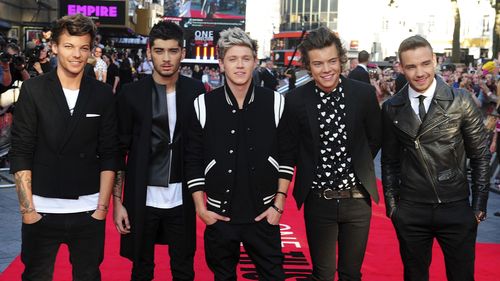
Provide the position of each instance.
(283, 45)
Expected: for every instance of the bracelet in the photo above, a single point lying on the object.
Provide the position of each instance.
(117, 196)
(101, 207)
(27, 211)
(277, 209)
(283, 193)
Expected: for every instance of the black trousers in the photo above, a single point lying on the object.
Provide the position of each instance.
(452, 224)
(170, 223)
(342, 221)
(84, 236)
(261, 240)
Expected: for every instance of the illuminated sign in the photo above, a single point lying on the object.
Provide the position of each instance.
(102, 12)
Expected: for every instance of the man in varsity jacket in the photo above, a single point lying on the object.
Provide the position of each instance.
(232, 157)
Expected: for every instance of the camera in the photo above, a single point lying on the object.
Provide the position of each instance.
(33, 55)
(18, 60)
(5, 57)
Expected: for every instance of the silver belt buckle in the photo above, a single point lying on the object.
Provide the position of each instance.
(324, 194)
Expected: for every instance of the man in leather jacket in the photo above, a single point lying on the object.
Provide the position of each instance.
(429, 131)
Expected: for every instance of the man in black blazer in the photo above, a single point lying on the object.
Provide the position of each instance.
(360, 72)
(156, 206)
(331, 133)
(64, 157)
(268, 76)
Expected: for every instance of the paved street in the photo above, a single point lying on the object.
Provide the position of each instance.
(10, 223)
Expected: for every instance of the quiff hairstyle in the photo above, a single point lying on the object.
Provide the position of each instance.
(235, 37)
(412, 43)
(75, 25)
(318, 39)
(166, 30)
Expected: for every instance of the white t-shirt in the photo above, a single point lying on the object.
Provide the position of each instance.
(170, 197)
(66, 206)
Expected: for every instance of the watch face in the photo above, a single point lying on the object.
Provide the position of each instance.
(480, 215)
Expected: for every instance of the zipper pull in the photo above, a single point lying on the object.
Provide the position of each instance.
(417, 144)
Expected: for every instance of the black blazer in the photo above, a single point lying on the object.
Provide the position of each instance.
(299, 135)
(65, 153)
(269, 79)
(360, 74)
(134, 126)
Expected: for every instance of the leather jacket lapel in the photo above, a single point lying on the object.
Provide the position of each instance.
(405, 118)
(437, 111)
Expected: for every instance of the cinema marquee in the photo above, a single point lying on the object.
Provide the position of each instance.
(102, 12)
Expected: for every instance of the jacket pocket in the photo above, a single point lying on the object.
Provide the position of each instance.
(447, 175)
(209, 166)
(274, 163)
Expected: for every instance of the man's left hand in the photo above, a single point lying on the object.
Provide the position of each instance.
(271, 215)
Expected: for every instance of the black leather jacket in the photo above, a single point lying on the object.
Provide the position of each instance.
(427, 163)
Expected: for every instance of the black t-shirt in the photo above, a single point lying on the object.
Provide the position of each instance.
(46, 67)
(89, 70)
(111, 74)
(243, 197)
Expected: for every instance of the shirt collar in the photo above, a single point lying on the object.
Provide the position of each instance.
(363, 66)
(335, 91)
(231, 100)
(429, 93)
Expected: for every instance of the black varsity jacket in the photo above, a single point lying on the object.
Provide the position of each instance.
(212, 143)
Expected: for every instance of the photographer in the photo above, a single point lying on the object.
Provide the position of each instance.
(14, 63)
(38, 60)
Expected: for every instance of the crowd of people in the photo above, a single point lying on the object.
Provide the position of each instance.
(165, 150)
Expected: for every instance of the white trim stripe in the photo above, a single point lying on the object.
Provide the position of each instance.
(213, 204)
(279, 105)
(252, 98)
(213, 200)
(196, 184)
(200, 108)
(209, 166)
(274, 163)
(195, 180)
(268, 201)
(228, 100)
(286, 172)
(268, 197)
(282, 167)
(286, 169)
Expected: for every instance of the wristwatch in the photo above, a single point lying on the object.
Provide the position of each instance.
(480, 215)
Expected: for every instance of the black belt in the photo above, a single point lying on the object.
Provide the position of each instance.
(329, 193)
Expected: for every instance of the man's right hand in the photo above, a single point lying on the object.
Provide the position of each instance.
(31, 218)
(209, 217)
(120, 217)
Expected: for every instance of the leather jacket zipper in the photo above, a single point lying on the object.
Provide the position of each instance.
(418, 148)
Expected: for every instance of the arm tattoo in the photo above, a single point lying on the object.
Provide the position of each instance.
(23, 183)
(117, 187)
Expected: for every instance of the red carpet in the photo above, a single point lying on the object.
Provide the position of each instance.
(382, 261)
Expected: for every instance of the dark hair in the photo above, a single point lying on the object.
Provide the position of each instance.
(166, 30)
(413, 42)
(75, 25)
(363, 56)
(318, 39)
